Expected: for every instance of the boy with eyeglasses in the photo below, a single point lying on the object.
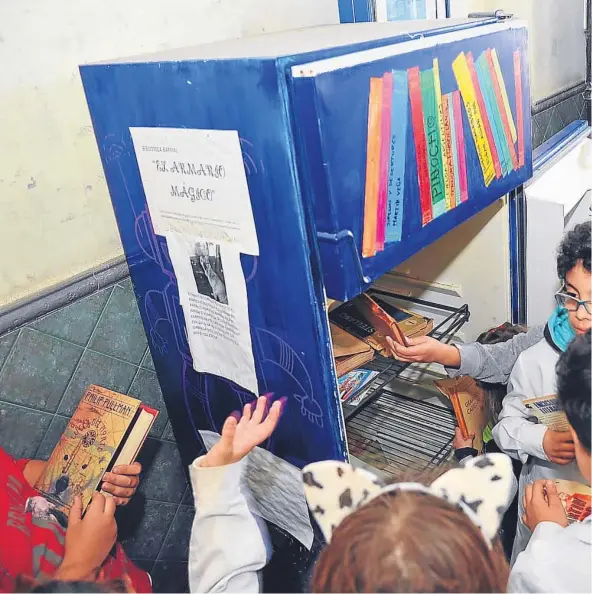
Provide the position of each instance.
(547, 454)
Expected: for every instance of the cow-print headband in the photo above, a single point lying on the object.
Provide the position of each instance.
(482, 489)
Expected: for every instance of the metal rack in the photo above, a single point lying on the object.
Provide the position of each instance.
(392, 432)
(388, 368)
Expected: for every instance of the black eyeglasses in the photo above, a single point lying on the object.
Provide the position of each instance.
(571, 303)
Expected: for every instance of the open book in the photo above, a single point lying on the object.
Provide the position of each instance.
(468, 402)
(547, 411)
(108, 429)
(576, 499)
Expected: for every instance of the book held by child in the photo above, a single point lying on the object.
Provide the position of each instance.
(468, 402)
(108, 429)
(547, 412)
(576, 499)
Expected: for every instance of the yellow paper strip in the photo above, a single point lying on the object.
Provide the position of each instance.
(467, 91)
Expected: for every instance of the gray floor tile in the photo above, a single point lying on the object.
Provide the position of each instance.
(164, 477)
(170, 577)
(120, 332)
(76, 321)
(168, 432)
(176, 544)
(143, 526)
(144, 564)
(147, 389)
(38, 370)
(22, 429)
(6, 342)
(147, 362)
(95, 368)
(52, 436)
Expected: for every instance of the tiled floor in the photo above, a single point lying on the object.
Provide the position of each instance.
(44, 369)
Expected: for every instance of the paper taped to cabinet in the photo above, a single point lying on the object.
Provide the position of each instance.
(195, 184)
(213, 295)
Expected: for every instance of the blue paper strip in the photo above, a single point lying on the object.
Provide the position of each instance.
(396, 178)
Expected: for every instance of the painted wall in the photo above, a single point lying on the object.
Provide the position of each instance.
(557, 40)
(55, 214)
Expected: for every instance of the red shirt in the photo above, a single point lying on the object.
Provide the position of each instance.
(32, 542)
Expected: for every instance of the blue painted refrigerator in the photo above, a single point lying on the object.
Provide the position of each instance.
(361, 144)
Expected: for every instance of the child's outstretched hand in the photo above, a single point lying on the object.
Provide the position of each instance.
(542, 504)
(425, 349)
(240, 435)
(460, 442)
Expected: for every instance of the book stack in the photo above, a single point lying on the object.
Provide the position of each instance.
(359, 329)
(411, 101)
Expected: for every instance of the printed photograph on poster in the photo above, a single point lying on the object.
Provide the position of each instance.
(195, 185)
(213, 295)
(208, 271)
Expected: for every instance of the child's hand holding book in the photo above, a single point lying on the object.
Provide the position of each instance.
(559, 446)
(542, 504)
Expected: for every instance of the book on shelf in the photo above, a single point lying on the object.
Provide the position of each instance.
(107, 430)
(547, 411)
(576, 499)
(409, 322)
(353, 383)
(344, 365)
(372, 317)
(468, 403)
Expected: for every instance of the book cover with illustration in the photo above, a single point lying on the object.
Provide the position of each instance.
(576, 499)
(353, 383)
(93, 439)
(468, 403)
(547, 411)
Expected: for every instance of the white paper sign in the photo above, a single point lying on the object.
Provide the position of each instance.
(213, 294)
(195, 184)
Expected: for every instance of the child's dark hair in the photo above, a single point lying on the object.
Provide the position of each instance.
(573, 386)
(26, 584)
(575, 246)
(495, 393)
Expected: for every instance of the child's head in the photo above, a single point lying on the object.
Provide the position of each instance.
(573, 269)
(409, 538)
(574, 394)
(495, 393)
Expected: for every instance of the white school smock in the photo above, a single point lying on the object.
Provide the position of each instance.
(556, 559)
(519, 435)
(229, 545)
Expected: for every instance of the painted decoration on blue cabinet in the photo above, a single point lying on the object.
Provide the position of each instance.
(467, 143)
(290, 344)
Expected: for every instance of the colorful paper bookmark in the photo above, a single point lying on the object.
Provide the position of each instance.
(419, 137)
(500, 78)
(519, 106)
(499, 98)
(448, 193)
(499, 138)
(447, 155)
(434, 146)
(483, 111)
(454, 150)
(372, 168)
(385, 141)
(460, 144)
(467, 90)
(398, 149)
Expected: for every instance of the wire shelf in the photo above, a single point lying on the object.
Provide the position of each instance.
(388, 368)
(392, 432)
(395, 433)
